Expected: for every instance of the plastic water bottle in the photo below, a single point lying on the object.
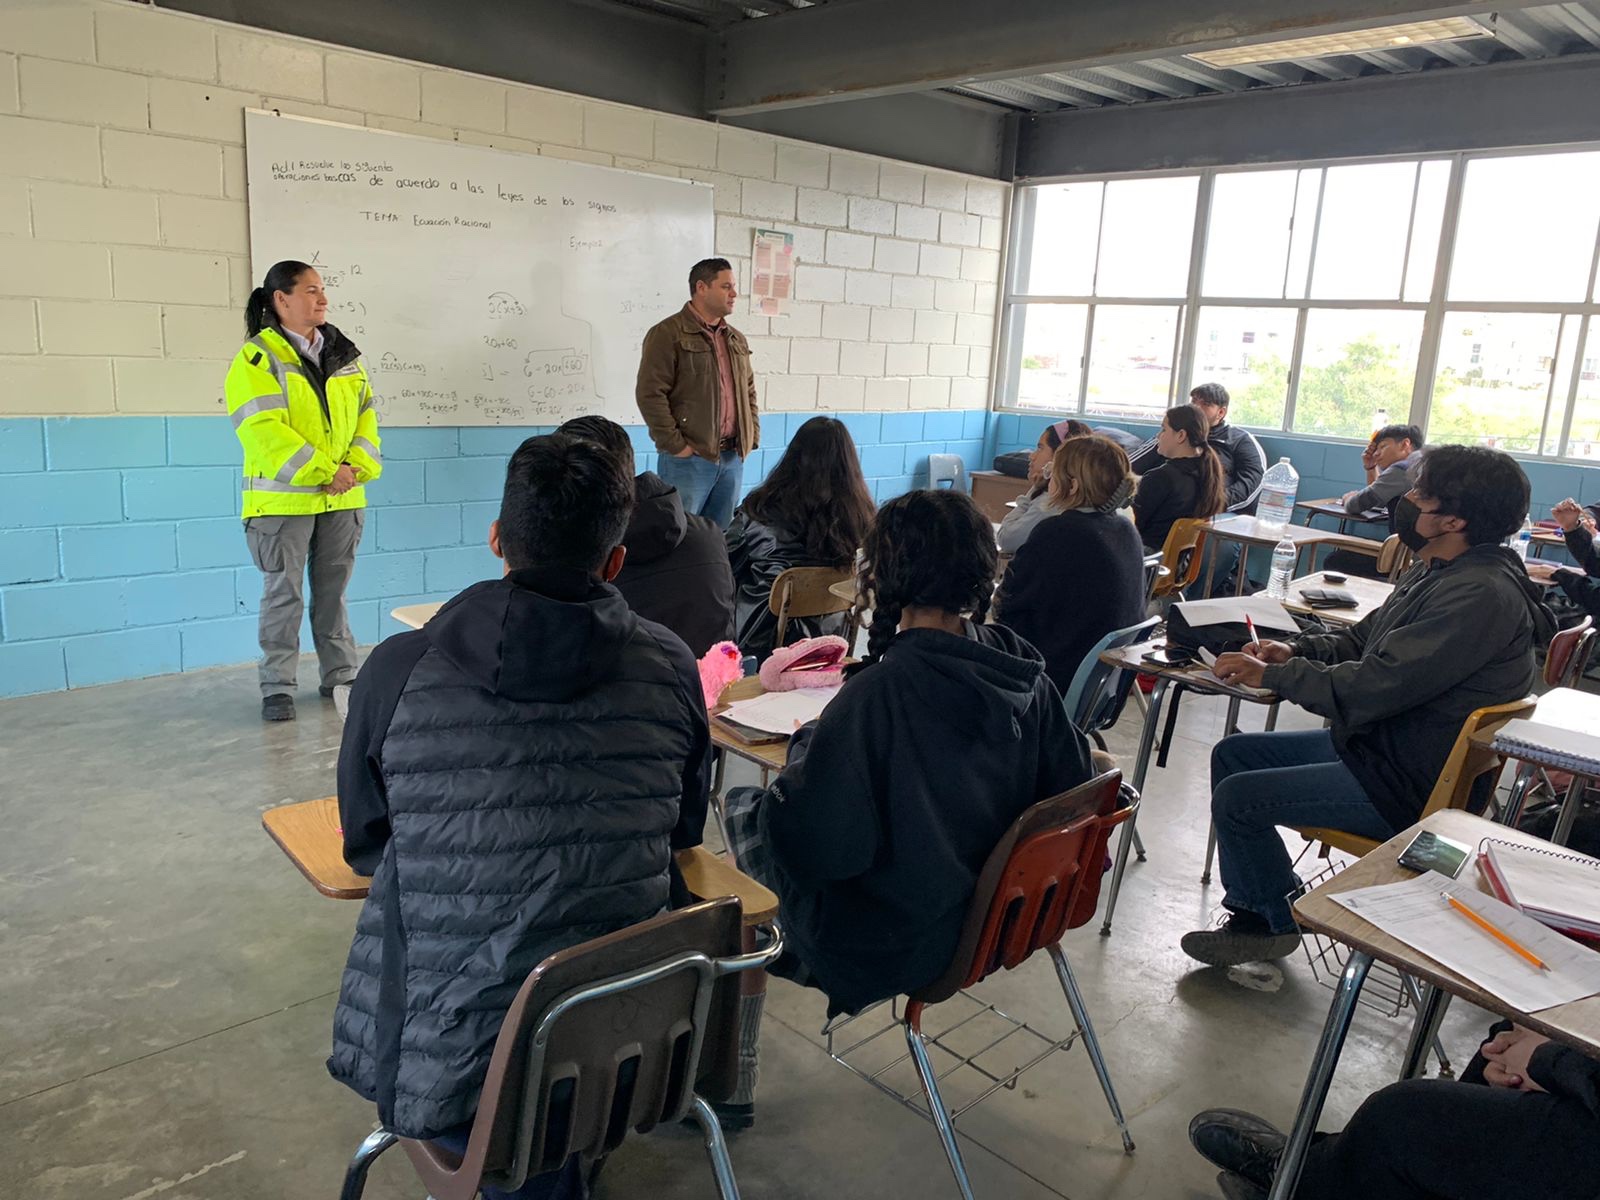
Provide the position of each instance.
(1278, 487)
(1284, 555)
(1523, 538)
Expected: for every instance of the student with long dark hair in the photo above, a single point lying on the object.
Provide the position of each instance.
(875, 832)
(1081, 573)
(813, 510)
(1190, 481)
(302, 406)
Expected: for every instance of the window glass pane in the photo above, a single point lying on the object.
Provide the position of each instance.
(1130, 359)
(1361, 237)
(1247, 245)
(1247, 351)
(1307, 196)
(1527, 228)
(1145, 237)
(1493, 379)
(1356, 363)
(1066, 230)
(1425, 224)
(1584, 440)
(1051, 372)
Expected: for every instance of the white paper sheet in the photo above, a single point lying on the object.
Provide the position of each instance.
(1414, 912)
(1210, 661)
(1266, 612)
(779, 712)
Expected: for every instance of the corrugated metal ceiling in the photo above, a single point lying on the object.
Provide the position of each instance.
(1541, 32)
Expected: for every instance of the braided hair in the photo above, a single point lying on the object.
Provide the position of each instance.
(933, 549)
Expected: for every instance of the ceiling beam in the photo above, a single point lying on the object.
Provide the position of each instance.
(880, 47)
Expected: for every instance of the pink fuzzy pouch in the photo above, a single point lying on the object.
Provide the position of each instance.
(721, 665)
(811, 663)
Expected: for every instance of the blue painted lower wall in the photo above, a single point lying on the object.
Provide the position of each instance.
(122, 554)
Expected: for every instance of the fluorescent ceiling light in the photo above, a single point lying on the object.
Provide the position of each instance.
(1359, 41)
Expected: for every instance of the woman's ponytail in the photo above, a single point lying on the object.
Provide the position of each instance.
(1213, 484)
(259, 312)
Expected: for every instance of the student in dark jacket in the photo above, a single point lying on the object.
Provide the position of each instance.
(813, 510)
(515, 776)
(1239, 453)
(875, 832)
(1582, 586)
(677, 572)
(1080, 574)
(1390, 461)
(1523, 1121)
(1189, 482)
(1458, 634)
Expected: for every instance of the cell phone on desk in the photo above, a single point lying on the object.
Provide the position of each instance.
(1430, 852)
(1170, 656)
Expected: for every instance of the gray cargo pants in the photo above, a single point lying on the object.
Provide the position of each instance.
(282, 547)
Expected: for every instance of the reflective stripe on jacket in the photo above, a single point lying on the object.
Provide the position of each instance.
(297, 424)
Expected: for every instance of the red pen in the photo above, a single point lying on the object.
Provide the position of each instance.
(1255, 638)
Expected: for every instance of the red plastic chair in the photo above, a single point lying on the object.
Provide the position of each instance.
(1040, 881)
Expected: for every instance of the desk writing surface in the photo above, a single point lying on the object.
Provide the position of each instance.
(1370, 596)
(1252, 530)
(1564, 708)
(416, 615)
(1195, 676)
(769, 755)
(1576, 1024)
(1333, 506)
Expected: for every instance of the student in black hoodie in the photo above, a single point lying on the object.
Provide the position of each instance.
(677, 572)
(875, 832)
(515, 777)
(1189, 482)
(1458, 634)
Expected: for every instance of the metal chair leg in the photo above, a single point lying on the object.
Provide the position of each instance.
(716, 1148)
(1211, 851)
(1091, 1043)
(1129, 830)
(936, 1109)
(1431, 1007)
(355, 1175)
(717, 809)
(1138, 846)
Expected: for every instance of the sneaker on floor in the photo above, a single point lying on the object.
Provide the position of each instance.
(277, 708)
(1237, 1187)
(1240, 1143)
(1241, 938)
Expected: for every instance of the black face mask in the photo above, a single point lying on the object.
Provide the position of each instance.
(1406, 514)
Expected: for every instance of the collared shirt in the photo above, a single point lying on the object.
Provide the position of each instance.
(311, 350)
(718, 334)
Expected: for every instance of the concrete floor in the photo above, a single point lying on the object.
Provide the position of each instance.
(167, 983)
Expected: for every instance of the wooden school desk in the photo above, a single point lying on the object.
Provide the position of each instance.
(416, 615)
(309, 834)
(1250, 531)
(1370, 596)
(1564, 708)
(1334, 507)
(1197, 677)
(1576, 1024)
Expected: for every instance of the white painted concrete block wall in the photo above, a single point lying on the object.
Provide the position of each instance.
(124, 238)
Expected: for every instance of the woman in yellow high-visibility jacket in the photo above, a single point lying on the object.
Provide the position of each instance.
(302, 406)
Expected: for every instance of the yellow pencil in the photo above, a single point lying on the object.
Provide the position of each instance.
(1499, 934)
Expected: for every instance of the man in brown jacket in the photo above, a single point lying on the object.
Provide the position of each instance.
(697, 394)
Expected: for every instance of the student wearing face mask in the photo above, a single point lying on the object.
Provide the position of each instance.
(1458, 634)
(1081, 572)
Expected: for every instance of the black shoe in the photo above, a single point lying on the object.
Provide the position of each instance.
(1237, 1187)
(277, 707)
(734, 1118)
(1241, 1143)
(1241, 938)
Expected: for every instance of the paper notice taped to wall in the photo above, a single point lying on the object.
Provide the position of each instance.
(772, 272)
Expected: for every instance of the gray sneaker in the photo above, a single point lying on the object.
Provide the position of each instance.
(1241, 1143)
(1241, 938)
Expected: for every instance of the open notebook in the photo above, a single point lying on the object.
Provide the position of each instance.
(1553, 886)
(1565, 749)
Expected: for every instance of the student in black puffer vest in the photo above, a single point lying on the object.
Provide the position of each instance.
(515, 776)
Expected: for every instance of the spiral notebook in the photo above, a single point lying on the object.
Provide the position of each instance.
(1565, 749)
(1553, 886)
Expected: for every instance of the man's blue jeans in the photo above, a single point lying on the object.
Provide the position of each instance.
(1260, 781)
(707, 489)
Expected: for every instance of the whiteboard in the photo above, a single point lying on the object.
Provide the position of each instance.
(483, 287)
